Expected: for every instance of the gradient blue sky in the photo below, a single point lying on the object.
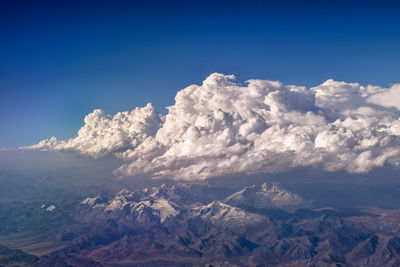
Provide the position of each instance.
(62, 59)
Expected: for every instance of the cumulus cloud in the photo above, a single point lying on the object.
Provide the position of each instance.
(387, 98)
(223, 127)
(103, 134)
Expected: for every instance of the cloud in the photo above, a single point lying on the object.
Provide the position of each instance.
(223, 127)
(387, 98)
(103, 134)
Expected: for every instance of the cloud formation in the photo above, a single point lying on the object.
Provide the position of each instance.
(223, 127)
(103, 134)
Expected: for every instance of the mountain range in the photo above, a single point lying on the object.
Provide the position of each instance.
(174, 225)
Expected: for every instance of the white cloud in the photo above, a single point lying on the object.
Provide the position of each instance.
(103, 134)
(387, 97)
(222, 127)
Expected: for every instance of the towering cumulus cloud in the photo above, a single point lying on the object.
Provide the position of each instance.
(223, 127)
(103, 134)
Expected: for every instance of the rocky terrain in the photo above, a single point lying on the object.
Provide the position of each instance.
(177, 225)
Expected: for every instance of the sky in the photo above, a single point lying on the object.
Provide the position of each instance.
(60, 60)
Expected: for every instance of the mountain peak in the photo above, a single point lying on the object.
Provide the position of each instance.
(225, 215)
(267, 195)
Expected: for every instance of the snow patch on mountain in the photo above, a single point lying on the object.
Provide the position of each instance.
(51, 208)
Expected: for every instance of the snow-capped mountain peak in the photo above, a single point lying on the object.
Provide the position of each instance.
(266, 195)
(94, 202)
(161, 208)
(225, 215)
(121, 199)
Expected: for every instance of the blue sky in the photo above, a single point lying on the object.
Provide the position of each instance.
(62, 59)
